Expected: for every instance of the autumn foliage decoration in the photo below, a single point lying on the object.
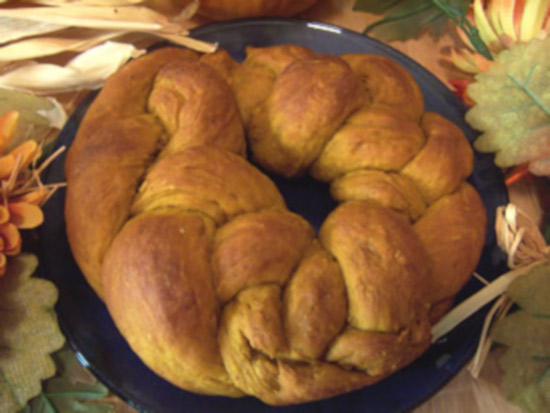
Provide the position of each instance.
(22, 192)
(501, 24)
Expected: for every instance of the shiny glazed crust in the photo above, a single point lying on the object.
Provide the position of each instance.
(212, 281)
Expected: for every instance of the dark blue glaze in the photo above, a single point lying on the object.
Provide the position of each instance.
(92, 334)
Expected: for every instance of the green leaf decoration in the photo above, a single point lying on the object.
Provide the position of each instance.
(526, 333)
(513, 105)
(35, 112)
(73, 390)
(29, 332)
(526, 380)
(29, 106)
(533, 293)
(525, 330)
(405, 19)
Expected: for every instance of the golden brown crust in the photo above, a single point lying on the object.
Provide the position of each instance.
(315, 304)
(213, 282)
(388, 84)
(390, 190)
(194, 104)
(453, 233)
(102, 177)
(254, 79)
(254, 349)
(377, 352)
(127, 93)
(258, 248)
(372, 138)
(119, 138)
(222, 62)
(310, 100)
(445, 160)
(160, 292)
(216, 183)
(383, 263)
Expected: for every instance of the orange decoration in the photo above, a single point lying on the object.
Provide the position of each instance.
(12, 238)
(36, 197)
(25, 215)
(21, 191)
(8, 128)
(4, 214)
(27, 150)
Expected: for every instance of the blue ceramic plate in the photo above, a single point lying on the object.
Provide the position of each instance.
(92, 334)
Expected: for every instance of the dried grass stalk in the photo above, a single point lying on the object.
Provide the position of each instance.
(198, 45)
(87, 70)
(107, 18)
(519, 236)
(12, 29)
(111, 3)
(71, 40)
(521, 239)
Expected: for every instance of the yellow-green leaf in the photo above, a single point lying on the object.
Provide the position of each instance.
(32, 109)
(526, 335)
(73, 389)
(526, 379)
(523, 330)
(405, 19)
(513, 105)
(29, 333)
(532, 293)
(35, 114)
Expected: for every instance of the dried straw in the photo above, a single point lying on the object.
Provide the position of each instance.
(519, 236)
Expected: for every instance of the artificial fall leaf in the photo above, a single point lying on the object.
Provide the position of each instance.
(8, 128)
(532, 293)
(405, 19)
(36, 197)
(30, 333)
(522, 329)
(500, 25)
(73, 389)
(526, 334)
(526, 380)
(24, 215)
(33, 111)
(540, 167)
(513, 105)
(11, 239)
(4, 215)
(26, 151)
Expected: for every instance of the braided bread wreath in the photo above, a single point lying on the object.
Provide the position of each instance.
(213, 282)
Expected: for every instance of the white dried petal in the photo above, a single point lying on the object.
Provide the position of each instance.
(12, 29)
(48, 46)
(88, 70)
(109, 18)
(56, 115)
